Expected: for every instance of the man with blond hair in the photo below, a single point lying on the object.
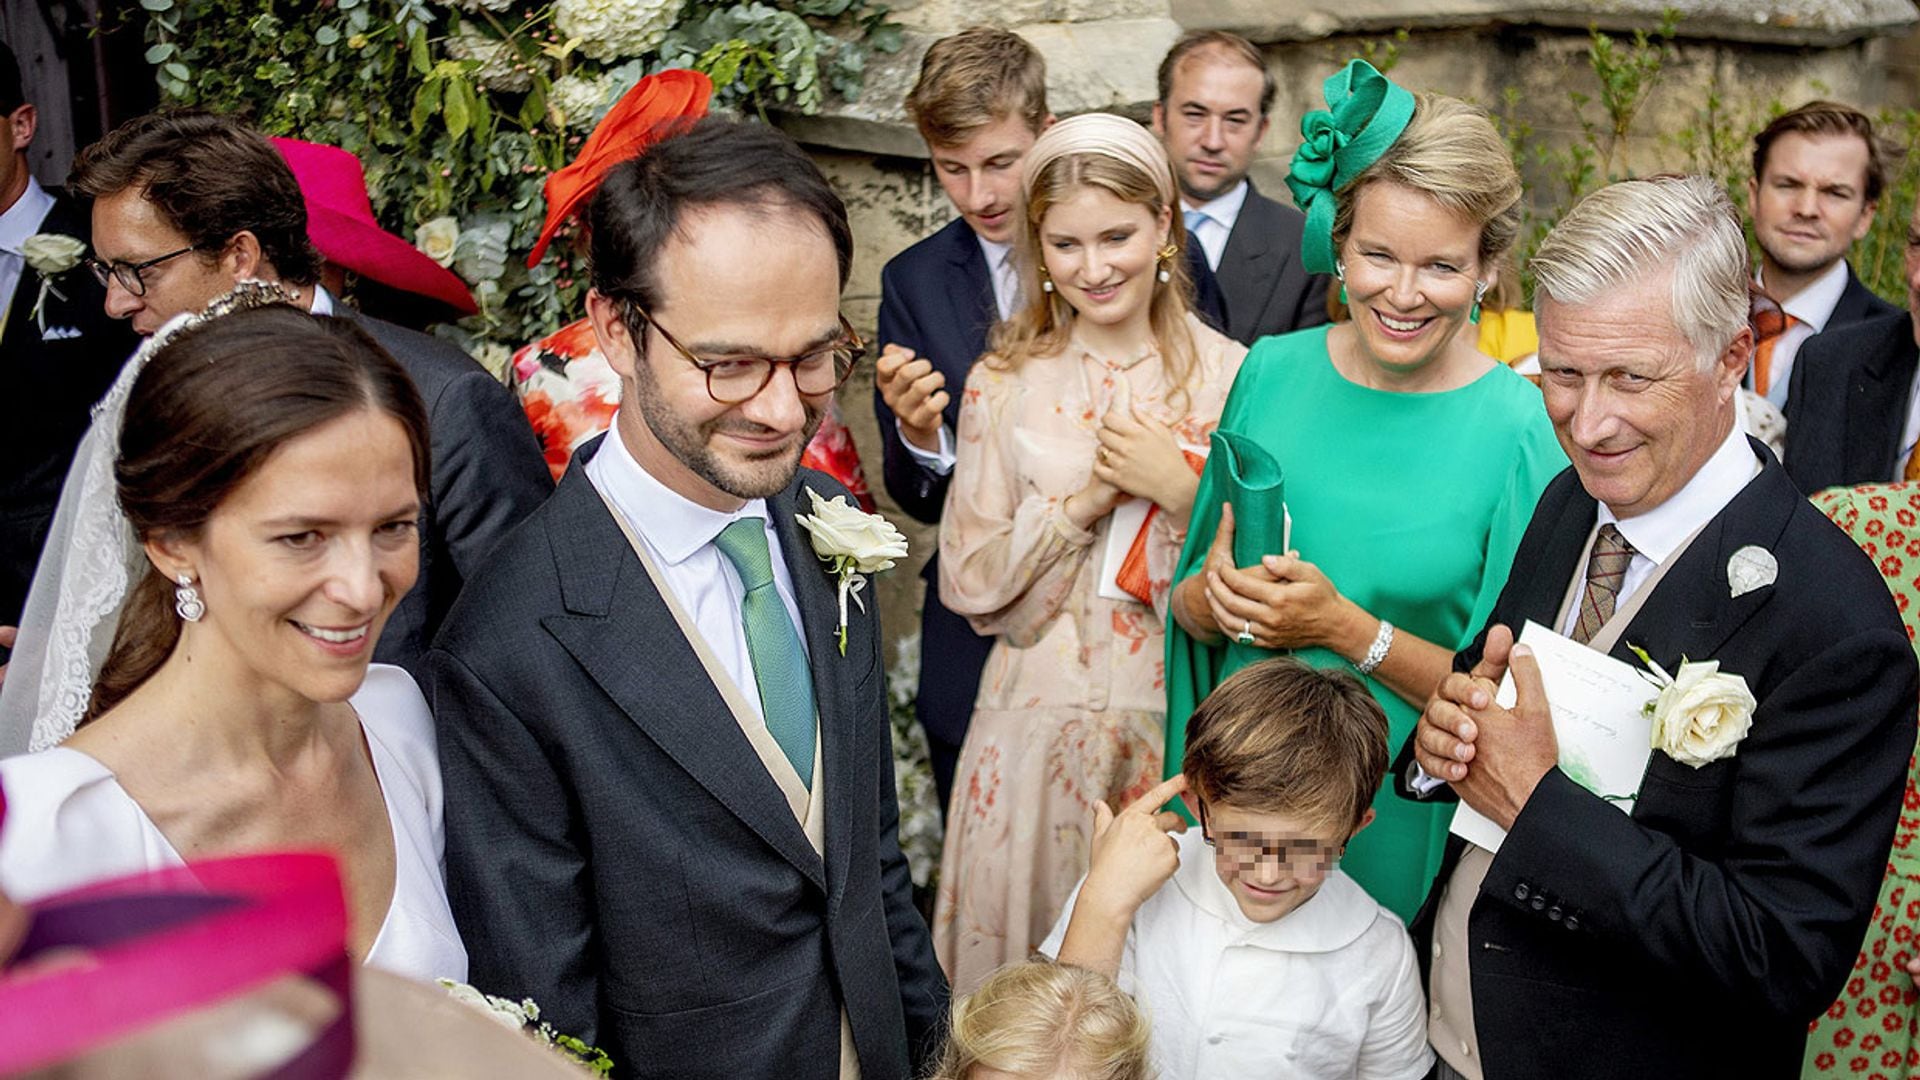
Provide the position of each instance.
(1215, 94)
(1694, 931)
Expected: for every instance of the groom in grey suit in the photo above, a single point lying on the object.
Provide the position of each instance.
(670, 807)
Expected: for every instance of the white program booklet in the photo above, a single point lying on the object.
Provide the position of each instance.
(1128, 518)
(1599, 718)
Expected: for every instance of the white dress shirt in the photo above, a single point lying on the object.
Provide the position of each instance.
(1213, 230)
(1811, 307)
(1658, 533)
(1006, 293)
(1909, 435)
(20, 221)
(678, 534)
(1330, 989)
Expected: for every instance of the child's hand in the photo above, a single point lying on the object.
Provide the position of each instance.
(1132, 854)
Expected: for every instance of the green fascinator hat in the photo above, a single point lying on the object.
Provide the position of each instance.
(1365, 113)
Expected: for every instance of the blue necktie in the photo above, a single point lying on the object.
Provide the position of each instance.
(780, 666)
(1195, 217)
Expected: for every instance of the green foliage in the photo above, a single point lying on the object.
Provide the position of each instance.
(453, 107)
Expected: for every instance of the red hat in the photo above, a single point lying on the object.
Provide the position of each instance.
(340, 222)
(637, 119)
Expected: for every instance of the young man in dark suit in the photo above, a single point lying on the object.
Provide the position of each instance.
(1215, 92)
(671, 817)
(1697, 934)
(59, 351)
(980, 101)
(1817, 180)
(186, 204)
(1852, 417)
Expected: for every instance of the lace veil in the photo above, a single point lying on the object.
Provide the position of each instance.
(90, 559)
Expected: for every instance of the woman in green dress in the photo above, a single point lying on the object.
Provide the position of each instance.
(1410, 461)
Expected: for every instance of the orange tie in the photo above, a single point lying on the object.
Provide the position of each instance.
(1912, 471)
(1769, 323)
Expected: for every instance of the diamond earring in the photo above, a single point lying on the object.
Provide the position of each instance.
(186, 600)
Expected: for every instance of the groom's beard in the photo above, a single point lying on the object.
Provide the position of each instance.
(738, 473)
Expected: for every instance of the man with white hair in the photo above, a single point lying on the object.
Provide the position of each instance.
(1697, 934)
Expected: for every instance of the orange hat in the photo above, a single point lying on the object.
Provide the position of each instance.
(643, 115)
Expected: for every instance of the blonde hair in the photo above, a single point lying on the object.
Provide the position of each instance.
(1682, 225)
(1451, 153)
(1043, 326)
(977, 77)
(1046, 1020)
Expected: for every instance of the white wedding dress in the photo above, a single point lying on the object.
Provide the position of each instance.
(69, 823)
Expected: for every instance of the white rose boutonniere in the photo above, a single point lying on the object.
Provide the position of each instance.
(437, 239)
(854, 543)
(524, 1016)
(1701, 714)
(50, 255)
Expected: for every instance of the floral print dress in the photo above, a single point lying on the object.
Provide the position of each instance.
(570, 394)
(1073, 699)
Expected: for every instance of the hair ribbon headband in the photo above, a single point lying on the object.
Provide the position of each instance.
(1365, 113)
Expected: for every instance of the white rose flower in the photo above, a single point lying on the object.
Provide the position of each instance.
(615, 29)
(52, 253)
(855, 543)
(437, 238)
(1702, 713)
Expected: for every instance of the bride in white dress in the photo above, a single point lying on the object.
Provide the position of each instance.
(269, 472)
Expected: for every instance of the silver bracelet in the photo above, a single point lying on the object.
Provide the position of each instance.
(1377, 652)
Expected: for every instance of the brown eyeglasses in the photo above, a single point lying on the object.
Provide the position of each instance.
(734, 379)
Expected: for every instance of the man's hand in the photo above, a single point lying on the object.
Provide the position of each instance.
(1513, 748)
(915, 392)
(1443, 739)
(1132, 857)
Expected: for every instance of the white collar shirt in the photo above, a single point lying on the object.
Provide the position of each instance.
(1811, 308)
(1331, 989)
(1660, 532)
(323, 303)
(678, 534)
(20, 221)
(1214, 228)
(1909, 435)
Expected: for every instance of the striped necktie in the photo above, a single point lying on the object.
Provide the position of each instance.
(780, 666)
(1606, 570)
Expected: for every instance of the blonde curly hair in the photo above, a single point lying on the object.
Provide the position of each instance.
(1045, 1020)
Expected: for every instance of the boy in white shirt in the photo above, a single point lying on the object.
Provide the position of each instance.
(1255, 956)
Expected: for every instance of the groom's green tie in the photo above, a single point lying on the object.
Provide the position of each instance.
(780, 665)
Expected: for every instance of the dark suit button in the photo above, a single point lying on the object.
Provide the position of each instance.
(1521, 892)
(1554, 913)
(1538, 902)
(1572, 923)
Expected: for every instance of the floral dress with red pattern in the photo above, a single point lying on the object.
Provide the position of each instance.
(1873, 1031)
(570, 394)
(1072, 703)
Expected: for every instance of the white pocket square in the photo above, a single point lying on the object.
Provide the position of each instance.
(59, 333)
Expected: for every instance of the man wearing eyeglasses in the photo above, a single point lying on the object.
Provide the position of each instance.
(186, 205)
(670, 807)
(58, 351)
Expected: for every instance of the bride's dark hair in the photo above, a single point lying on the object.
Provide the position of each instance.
(207, 411)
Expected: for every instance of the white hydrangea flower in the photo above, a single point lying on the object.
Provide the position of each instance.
(578, 99)
(615, 29)
(497, 59)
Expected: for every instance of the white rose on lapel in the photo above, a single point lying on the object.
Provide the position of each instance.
(854, 543)
(50, 255)
(1702, 713)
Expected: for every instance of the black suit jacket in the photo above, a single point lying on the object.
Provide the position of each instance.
(1268, 290)
(1857, 304)
(936, 298)
(53, 380)
(615, 848)
(488, 474)
(1699, 936)
(1847, 403)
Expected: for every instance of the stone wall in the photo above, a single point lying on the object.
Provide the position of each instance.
(1523, 60)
